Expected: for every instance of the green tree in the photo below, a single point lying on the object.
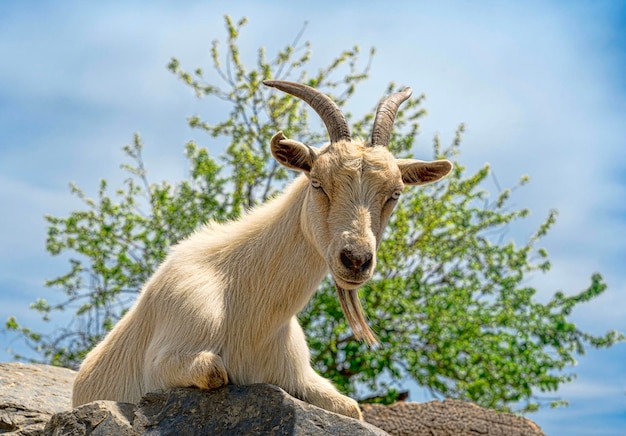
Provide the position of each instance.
(448, 301)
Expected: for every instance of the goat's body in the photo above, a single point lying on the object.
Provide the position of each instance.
(222, 307)
(230, 289)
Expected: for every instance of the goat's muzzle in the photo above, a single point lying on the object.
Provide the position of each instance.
(357, 263)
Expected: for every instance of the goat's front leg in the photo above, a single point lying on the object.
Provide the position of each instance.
(303, 382)
(321, 393)
(173, 368)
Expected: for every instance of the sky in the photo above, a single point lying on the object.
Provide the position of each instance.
(540, 86)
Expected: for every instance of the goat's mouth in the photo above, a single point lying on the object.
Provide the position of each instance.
(352, 310)
(349, 281)
(347, 284)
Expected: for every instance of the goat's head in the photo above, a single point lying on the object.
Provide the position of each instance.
(354, 186)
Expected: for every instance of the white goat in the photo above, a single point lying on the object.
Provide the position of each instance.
(222, 307)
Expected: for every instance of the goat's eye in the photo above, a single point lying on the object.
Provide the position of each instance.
(396, 194)
(316, 184)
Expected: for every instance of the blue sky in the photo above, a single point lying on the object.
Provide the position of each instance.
(540, 86)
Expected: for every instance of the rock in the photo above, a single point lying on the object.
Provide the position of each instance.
(246, 410)
(30, 394)
(99, 418)
(447, 418)
(255, 409)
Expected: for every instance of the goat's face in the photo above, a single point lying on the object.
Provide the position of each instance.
(353, 188)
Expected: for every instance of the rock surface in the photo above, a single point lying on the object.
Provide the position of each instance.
(31, 394)
(447, 418)
(259, 409)
(99, 418)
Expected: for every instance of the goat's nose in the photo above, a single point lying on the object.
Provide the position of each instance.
(356, 262)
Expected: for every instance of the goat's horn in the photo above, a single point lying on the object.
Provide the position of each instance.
(385, 115)
(329, 112)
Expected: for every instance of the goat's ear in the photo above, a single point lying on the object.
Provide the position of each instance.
(292, 154)
(417, 172)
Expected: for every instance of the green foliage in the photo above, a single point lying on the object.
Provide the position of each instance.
(450, 300)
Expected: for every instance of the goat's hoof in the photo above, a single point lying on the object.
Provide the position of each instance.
(215, 381)
(356, 413)
(351, 409)
(209, 370)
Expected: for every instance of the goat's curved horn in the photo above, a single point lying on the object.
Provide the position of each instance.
(385, 115)
(329, 112)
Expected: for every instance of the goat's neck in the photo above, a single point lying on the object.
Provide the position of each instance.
(278, 268)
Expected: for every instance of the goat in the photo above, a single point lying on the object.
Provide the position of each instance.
(222, 306)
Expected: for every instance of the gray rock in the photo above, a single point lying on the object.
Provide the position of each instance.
(259, 409)
(30, 394)
(99, 418)
(248, 410)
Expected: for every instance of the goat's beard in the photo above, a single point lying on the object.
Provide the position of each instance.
(352, 310)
